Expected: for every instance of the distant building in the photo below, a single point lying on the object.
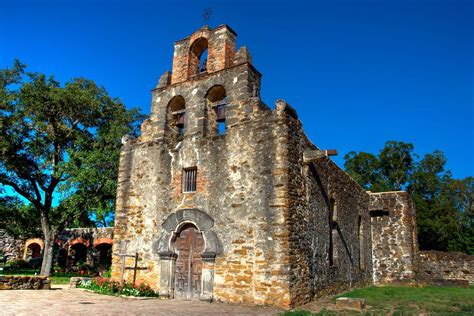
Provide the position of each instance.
(72, 247)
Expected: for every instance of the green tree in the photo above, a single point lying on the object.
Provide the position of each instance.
(444, 205)
(55, 141)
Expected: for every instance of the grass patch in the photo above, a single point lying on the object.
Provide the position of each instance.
(55, 279)
(403, 299)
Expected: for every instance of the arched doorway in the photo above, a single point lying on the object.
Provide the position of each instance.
(104, 258)
(79, 253)
(189, 245)
(34, 251)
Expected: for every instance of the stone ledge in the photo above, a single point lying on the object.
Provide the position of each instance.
(20, 282)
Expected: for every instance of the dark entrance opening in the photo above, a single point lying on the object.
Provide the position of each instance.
(79, 255)
(189, 245)
(34, 251)
(104, 255)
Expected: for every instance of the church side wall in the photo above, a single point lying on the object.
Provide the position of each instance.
(311, 187)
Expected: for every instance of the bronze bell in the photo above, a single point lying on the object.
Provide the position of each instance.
(220, 113)
(180, 120)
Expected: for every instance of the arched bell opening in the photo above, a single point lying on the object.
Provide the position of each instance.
(176, 118)
(198, 57)
(216, 100)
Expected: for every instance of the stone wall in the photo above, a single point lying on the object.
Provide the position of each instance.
(439, 265)
(394, 238)
(10, 246)
(8, 282)
(90, 235)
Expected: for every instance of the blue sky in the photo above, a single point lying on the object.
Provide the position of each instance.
(359, 73)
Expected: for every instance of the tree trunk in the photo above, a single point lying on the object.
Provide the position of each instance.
(49, 235)
(47, 253)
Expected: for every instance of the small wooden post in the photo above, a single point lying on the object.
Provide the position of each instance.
(135, 268)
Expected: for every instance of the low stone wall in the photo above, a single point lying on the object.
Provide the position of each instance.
(440, 265)
(9, 282)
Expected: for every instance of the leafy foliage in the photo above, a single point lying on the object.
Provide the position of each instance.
(59, 147)
(18, 264)
(17, 218)
(444, 205)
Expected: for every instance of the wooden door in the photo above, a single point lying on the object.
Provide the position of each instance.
(189, 245)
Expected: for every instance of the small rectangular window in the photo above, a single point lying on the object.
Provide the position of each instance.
(189, 179)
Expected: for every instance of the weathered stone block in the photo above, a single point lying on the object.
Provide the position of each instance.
(350, 303)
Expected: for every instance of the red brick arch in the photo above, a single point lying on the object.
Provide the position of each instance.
(103, 240)
(79, 240)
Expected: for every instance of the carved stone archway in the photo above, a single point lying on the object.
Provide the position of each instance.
(168, 255)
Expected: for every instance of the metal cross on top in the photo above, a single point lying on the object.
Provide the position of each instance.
(207, 14)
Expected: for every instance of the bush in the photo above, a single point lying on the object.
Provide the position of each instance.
(107, 273)
(18, 264)
(87, 269)
(35, 262)
(112, 287)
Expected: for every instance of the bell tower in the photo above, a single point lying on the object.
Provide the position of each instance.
(209, 79)
(220, 43)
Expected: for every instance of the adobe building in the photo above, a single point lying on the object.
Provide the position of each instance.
(227, 199)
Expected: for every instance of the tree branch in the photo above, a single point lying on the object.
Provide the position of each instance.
(22, 192)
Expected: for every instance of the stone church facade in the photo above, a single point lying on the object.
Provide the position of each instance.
(224, 198)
